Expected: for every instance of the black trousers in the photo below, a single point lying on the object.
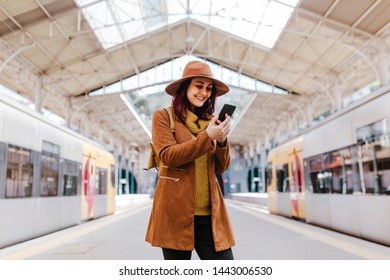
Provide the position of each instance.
(204, 244)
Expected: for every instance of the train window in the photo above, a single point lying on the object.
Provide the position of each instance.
(372, 132)
(347, 167)
(333, 172)
(97, 180)
(19, 177)
(282, 179)
(308, 182)
(374, 156)
(70, 185)
(268, 175)
(383, 162)
(49, 174)
(101, 181)
(318, 175)
(70, 179)
(113, 175)
(353, 174)
(375, 160)
(337, 164)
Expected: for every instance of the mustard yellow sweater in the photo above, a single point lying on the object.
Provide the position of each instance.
(202, 196)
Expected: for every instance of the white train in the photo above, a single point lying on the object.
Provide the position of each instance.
(337, 174)
(50, 177)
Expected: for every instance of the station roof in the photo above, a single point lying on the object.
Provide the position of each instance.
(68, 56)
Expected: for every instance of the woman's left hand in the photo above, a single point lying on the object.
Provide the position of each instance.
(218, 130)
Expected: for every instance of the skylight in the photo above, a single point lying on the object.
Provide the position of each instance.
(115, 22)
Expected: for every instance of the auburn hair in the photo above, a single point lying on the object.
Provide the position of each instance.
(181, 103)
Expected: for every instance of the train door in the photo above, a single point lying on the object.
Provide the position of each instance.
(297, 194)
(88, 187)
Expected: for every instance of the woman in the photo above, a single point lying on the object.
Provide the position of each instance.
(188, 208)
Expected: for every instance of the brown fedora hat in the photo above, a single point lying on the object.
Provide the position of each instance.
(195, 69)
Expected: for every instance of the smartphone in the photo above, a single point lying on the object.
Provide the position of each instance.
(226, 109)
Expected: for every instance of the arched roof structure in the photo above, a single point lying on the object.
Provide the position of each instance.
(58, 54)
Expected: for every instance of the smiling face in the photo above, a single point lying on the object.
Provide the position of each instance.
(199, 91)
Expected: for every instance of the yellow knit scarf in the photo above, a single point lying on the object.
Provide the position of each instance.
(202, 195)
(195, 124)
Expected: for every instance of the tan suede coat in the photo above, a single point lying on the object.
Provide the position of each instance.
(171, 223)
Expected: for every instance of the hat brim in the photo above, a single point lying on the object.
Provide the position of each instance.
(220, 87)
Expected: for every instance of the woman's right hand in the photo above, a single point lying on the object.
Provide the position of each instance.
(218, 130)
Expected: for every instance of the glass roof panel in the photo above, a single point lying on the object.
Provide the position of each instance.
(118, 21)
(176, 6)
(251, 11)
(277, 15)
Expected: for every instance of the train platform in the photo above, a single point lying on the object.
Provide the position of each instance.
(259, 236)
(270, 246)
